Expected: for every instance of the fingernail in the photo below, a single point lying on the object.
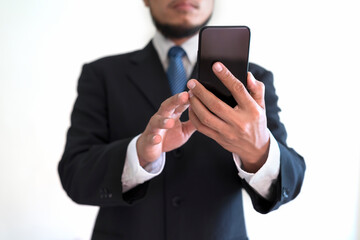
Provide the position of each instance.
(191, 84)
(252, 77)
(217, 67)
(190, 93)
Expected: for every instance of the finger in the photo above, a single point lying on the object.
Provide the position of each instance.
(257, 89)
(155, 139)
(209, 100)
(188, 128)
(169, 106)
(206, 117)
(237, 89)
(145, 148)
(158, 123)
(200, 127)
(150, 139)
(179, 110)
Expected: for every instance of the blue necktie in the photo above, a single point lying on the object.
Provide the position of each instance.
(176, 72)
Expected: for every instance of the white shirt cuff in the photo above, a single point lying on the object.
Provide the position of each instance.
(262, 180)
(133, 174)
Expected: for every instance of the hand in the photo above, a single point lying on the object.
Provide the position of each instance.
(241, 130)
(165, 132)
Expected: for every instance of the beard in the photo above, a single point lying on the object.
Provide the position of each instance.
(178, 31)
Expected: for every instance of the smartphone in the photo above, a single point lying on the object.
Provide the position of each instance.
(226, 44)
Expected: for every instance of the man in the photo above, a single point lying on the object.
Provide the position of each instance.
(160, 169)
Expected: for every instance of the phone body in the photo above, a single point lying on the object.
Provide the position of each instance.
(229, 45)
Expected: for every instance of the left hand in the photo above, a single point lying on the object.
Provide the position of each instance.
(241, 130)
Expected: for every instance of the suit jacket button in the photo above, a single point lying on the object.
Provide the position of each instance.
(176, 201)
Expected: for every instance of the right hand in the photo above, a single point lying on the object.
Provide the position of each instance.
(165, 132)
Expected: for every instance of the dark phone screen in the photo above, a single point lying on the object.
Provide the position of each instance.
(229, 45)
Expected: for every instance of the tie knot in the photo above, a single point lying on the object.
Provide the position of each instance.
(176, 51)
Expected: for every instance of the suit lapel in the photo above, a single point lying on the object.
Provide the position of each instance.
(149, 76)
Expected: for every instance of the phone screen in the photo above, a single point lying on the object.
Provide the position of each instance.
(229, 45)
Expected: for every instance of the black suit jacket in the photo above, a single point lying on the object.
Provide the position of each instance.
(199, 193)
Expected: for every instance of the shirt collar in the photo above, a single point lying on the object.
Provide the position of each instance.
(162, 46)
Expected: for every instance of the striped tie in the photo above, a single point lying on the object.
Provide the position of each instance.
(176, 72)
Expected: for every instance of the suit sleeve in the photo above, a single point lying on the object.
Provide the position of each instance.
(292, 165)
(91, 166)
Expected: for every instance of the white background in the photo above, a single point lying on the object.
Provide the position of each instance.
(312, 47)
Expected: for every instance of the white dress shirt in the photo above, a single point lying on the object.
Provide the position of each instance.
(134, 174)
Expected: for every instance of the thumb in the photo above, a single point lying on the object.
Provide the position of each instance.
(188, 128)
(256, 89)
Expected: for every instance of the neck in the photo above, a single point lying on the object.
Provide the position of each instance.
(180, 41)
